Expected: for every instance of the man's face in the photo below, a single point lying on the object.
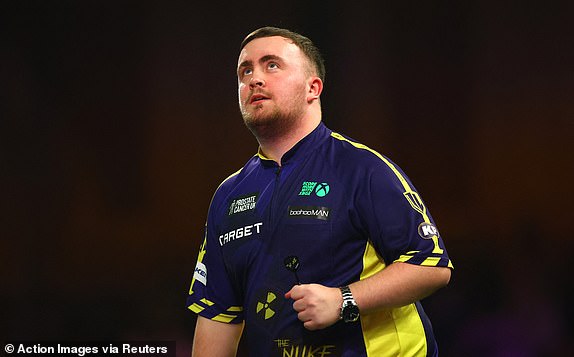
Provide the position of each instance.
(272, 75)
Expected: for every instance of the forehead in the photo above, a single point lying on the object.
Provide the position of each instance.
(265, 46)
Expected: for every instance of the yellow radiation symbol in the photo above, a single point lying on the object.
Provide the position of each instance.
(264, 306)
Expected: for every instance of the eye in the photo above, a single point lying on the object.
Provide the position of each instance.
(247, 71)
(272, 65)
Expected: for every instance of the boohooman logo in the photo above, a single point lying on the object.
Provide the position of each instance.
(315, 212)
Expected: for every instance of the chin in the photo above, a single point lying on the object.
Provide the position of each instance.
(259, 119)
(256, 124)
(268, 127)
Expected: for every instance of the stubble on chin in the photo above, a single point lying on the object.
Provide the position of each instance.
(265, 125)
(271, 124)
(269, 120)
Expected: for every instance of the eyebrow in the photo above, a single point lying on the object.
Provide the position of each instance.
(261, 60)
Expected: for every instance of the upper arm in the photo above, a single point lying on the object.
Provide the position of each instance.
(399, 224)
(215, 339)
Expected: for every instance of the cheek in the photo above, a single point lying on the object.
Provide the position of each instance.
(293, 90)
(242, 91)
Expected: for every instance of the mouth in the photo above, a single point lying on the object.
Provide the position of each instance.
(257, 98)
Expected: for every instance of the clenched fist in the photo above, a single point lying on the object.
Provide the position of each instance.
(317, 306)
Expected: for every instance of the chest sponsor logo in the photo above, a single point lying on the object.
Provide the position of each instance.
(316, 212)
(240, 233)
(311, 187)
(243, 203)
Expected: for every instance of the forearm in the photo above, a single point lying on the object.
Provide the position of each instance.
(398, 284)
(215, 339)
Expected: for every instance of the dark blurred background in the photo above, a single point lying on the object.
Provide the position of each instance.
(119, 119)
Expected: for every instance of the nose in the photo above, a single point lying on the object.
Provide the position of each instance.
(256, 82)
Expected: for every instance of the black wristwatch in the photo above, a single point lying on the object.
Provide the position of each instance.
(349, 309)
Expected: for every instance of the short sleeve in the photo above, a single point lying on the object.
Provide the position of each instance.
(212, 294)
(398, 222)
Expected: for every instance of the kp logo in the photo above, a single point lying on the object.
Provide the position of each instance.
(320, 189)
(427, 230)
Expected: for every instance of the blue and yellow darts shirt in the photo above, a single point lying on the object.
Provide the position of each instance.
(344, 212)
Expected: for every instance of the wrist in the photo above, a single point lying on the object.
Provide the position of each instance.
(349, 308)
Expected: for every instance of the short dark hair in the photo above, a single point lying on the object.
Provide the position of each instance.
(305, 44)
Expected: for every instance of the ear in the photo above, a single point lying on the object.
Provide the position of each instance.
(314, 88)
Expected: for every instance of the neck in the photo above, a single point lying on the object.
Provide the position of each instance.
(275, 146)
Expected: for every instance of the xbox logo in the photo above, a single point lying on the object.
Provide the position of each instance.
(322, 189)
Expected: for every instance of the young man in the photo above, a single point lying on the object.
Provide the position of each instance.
(318, 246)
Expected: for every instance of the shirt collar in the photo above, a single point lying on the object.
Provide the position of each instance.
(302, 148)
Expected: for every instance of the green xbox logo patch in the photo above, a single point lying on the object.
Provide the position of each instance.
(320, 189)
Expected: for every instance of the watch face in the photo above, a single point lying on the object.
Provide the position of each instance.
(351, 313)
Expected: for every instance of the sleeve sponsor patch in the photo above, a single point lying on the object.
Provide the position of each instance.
(427, 230)
(200, 273)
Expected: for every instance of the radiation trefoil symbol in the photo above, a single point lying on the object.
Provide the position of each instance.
(264, 306)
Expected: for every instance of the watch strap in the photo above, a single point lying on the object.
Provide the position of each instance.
(346, 292)
(349, 308)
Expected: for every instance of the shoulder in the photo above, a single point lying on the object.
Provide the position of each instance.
(365, 161)
(355, 152)
(231, 181)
